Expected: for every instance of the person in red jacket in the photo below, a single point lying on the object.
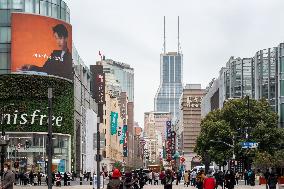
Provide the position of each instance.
(209, 182)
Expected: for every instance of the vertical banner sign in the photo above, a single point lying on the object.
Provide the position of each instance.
(169, 141)
(173, 143)
(113, 118)
(123, 134)
(119, 133)
(125, 140)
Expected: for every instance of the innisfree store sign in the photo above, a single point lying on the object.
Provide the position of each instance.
(35, 118)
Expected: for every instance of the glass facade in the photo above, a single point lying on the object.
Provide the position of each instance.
(52, 8)
(265, 76)
(29, 149)
(123, 75)
(281, 83)
(170, 89)
(238, 78)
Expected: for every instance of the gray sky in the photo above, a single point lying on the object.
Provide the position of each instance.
(211, 31)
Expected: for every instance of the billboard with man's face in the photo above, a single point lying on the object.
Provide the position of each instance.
(41, 45)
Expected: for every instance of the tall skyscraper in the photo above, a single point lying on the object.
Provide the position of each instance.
(170, 89)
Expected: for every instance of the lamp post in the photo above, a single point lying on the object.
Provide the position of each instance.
(49, 139)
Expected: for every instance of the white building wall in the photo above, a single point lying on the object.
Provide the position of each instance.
(91, 130)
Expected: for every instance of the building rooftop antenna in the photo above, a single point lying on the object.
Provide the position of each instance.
(178, 37)
(164, 35)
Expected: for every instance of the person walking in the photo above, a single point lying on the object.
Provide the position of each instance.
(266, 176)
(142, 178)
(150, 177)
(9, 177)
(237, 177)
(272, 181)
(128, 182)
(115, 182)
(246, 177)
(199, 179)
(209, 182)
(168, 179)
(31, 177)
(186, 178)
(156, 178)
(65, 179)
(178, 177)
(38, 178)
(193, 175)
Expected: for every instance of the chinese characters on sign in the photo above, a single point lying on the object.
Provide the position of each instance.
(193, 102)
(169, 141)
(100, 83)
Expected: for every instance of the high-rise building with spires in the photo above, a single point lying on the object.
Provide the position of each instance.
(170, 89)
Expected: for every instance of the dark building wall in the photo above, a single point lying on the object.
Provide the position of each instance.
(215, 101)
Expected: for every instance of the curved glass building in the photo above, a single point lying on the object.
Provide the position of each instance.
(51, 8)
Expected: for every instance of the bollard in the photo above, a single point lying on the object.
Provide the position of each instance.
(91, 181)
(81, 179)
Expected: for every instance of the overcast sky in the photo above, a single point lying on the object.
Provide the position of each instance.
(131, 31)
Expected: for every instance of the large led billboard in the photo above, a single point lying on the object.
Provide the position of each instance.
(41, 45)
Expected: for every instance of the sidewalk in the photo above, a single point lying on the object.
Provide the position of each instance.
(45, 187)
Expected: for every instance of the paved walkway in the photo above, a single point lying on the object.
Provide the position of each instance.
(146, 187)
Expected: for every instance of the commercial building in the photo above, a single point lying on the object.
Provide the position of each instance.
(257, 77)
(25, 120)
(155, 132)
(119, 85)
(188, 125)
(35, 47)
(170, 89)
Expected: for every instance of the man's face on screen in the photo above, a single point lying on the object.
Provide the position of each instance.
(61, 42)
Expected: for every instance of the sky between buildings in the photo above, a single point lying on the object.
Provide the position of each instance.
(131, 31)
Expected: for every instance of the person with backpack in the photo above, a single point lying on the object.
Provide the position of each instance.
(115, 182)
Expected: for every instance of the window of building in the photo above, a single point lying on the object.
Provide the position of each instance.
(18, 4)
(3, 4)
(5, 36)
(29, 6)
(43, 8)
(5, 61)
(4, 17)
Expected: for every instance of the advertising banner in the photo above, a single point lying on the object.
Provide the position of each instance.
(123, 134)
(125, 150)
(113, 123)
(169, 140)
(41, 45)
